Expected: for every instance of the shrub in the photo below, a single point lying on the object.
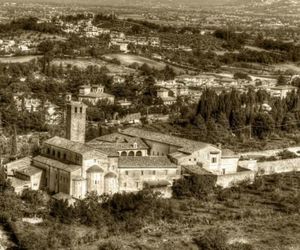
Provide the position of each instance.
(61, 210)
(33, 197)
(109, 246)
(213, 239)
(198, 186)
(286, 154)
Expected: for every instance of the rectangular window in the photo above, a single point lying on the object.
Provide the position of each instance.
(75, 109)
(142, 172)
(166, 172)
(137, 184)
(214, 160)
(125, 184)
(126, 172)
(80, 109)
(154, 172)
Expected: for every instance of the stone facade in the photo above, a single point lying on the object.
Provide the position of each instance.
(94, 94)
(76, 119)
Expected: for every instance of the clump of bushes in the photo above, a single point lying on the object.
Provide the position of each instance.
(216, 239)
(212, 239)
(286, 154)
(197, 186)
(128, 210)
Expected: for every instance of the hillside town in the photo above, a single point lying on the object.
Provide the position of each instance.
(161, 125)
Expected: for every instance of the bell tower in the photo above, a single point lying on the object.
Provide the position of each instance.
(76, 119)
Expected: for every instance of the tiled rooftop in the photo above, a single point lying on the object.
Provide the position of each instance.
(145, 162)
(115, 142)
(18, 164)
(184, 145)
(195, 169)
(28, 170)
(76, 147)
(56, 164)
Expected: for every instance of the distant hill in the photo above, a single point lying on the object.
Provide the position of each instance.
(148, 3)
(160, 3)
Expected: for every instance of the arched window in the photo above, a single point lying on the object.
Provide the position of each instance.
(123, 153)
(139, 153)
(131, 153)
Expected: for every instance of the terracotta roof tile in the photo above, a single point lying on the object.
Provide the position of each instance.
(56, 164)
(184, 145)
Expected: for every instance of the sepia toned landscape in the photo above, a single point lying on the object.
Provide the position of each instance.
(150, 125)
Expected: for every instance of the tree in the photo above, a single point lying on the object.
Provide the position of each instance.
(262, 125)
(46, 48)
(289, 122)
(281, 80)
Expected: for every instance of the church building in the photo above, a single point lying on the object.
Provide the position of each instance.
(126, 161)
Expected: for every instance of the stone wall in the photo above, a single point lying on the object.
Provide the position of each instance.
(231, 179)
(280, 166)
(248, 164)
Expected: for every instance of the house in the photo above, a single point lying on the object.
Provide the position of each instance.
(163, 94)
(282, 91)
(31, 104)
(94, 94)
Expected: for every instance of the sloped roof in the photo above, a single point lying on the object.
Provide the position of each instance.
(115, 142)
(145, 162)
(195, 169)
(184, 145)
(28, 170)
(178, 155)
(94, 169)
(110, 175)
(18, 164)
(56, 164)
(76, 147)
(227, 153)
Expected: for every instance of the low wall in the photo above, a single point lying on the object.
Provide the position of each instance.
(249, 164)
(231, 179)
(269, 153)
(280, 166)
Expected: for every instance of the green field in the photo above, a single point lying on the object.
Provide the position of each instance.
(128, 59)
(85, 62)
